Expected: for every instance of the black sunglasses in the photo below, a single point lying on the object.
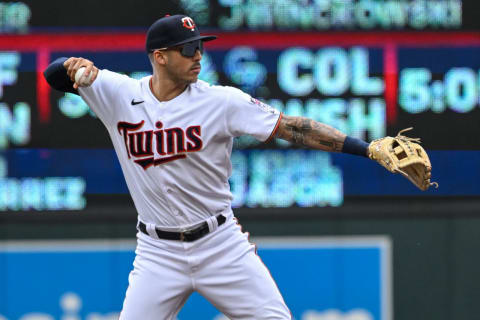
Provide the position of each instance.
(188, 49)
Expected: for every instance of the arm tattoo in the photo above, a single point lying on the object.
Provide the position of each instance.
(309, 133)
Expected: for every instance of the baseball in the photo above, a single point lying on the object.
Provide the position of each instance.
(81, 80)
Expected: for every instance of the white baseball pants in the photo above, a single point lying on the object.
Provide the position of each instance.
(222, 266)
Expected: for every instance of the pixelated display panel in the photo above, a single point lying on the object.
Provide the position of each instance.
(364, 85)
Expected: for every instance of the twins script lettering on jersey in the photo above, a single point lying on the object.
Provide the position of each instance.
(169, 143)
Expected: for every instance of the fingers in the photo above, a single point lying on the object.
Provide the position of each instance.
(78, 63)
(69, 65)
(73, 64)
(87, 71)
(87, 78)
(95, 73)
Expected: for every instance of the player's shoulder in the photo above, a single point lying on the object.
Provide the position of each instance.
(203, 87)
(120, 83)
(105, 73)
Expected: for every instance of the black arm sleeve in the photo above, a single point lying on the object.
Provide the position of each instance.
(57, 78)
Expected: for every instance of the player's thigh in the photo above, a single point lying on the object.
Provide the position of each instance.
(147, 301)
(158, 287)
(240, 285)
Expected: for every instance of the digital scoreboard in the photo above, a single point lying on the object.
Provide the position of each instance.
(247, 15)
(364, 80)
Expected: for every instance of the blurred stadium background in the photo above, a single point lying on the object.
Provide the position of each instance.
(344, 239)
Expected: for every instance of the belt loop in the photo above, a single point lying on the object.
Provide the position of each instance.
(152, 232)
(212, 223)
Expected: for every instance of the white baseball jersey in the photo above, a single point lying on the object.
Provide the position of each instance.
(175, 155)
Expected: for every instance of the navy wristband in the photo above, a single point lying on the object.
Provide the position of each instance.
(355, 146)
(57, 78)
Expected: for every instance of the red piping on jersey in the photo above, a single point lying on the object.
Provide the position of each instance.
(275, 129)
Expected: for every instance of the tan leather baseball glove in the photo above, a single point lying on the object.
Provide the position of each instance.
(404, 155)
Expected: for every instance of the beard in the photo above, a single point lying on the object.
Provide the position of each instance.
(177, 76)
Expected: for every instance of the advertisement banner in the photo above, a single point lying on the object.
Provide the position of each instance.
(321, 278)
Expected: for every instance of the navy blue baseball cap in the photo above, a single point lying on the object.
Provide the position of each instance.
(171, 31)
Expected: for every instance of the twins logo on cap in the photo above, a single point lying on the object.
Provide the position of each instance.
(188, 23)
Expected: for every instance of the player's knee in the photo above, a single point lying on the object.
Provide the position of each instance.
(274, 310)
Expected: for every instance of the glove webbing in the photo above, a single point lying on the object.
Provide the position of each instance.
(407, 140)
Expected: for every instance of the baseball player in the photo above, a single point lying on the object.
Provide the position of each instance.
(173, 136)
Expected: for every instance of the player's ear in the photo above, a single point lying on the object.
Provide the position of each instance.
(160, 57)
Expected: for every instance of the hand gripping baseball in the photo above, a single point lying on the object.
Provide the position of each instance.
(403, 155)
(81, 71)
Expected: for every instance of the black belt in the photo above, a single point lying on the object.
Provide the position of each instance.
(187, 236)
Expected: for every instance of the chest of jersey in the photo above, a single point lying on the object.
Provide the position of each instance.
(155, 147)
(156, 133)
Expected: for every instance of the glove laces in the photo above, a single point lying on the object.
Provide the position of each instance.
(417, 140)
(402, 137)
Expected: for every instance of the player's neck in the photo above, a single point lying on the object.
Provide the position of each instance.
(165, 90)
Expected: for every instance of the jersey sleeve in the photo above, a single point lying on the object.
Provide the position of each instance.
(247, 115)
(101, 95)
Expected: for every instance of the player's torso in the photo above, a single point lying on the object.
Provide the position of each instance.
(174, 154)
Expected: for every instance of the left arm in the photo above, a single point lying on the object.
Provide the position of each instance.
(408, 157)
(309, 133)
